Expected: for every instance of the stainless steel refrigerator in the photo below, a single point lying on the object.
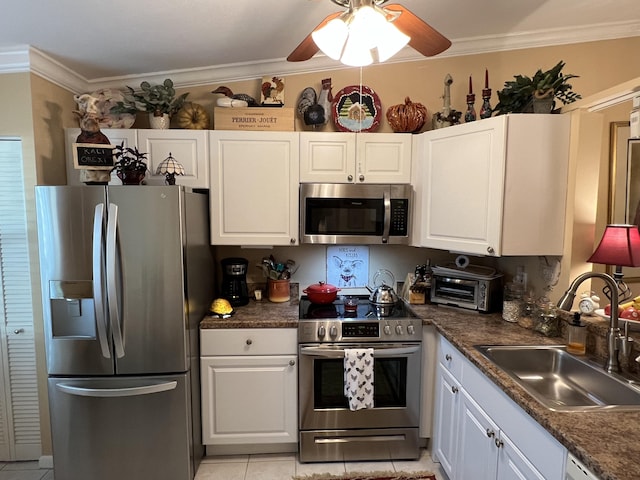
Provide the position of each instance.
(127, 275)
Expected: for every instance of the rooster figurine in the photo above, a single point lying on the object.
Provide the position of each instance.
(234, 100)
(316, 110)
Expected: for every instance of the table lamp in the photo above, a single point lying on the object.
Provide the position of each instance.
(619, 247)
(170, 167)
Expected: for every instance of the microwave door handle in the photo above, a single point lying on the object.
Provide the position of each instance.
(387, 216)
(98, 277)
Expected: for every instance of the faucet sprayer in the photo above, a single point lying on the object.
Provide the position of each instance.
(614, 339)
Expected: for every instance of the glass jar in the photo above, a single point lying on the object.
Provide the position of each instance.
(547, 318)
(528, 311)
(512, 302)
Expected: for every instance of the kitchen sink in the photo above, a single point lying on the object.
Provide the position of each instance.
(561, 381)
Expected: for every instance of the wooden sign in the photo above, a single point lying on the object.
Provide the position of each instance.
(93, 156)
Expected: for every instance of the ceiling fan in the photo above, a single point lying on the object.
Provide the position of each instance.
(389, 29)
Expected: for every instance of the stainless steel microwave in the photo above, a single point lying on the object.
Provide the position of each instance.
(355, 213)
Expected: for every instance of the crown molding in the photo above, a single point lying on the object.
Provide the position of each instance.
(24, 58)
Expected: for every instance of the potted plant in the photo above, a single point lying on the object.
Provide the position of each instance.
(159, 101)
(524, 94)
(131, 165)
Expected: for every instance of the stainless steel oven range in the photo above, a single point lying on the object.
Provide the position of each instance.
(329, 430)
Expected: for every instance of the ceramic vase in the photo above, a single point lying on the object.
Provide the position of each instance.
(159, 122)
(131, 177)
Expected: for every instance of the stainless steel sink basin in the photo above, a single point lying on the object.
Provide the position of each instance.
(561, 381)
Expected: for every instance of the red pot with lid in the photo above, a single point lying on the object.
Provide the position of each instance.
(321, 292)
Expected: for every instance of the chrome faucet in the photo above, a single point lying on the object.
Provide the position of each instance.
(615, 340)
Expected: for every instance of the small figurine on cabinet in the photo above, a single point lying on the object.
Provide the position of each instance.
(448, 116)
(90, 133)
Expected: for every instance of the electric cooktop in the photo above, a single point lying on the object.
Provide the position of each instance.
(338, 310)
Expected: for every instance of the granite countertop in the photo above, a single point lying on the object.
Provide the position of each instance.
(606, 442)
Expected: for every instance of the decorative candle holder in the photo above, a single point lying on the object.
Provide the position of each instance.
(486, 110)
(470, 114)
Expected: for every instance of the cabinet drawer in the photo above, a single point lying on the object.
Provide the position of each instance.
(450, 358)
(249, 341)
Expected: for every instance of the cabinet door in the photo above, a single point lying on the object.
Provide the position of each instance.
(445, 435)
(477, 447)
(188, 147)
(383, 158)
(254, 188)
(249, 400)
(327, 157)
(512, 464)
(463, 181)
(115, 135)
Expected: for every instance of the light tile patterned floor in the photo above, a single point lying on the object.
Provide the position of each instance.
(250, 467)
(284, 466)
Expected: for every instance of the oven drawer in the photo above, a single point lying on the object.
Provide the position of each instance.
(249, 341)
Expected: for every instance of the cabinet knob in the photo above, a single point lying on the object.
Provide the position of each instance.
(292, 363)
(361, 178)
(350, 178)
(18, 331)
(454, 389)
(249, 341)
(447, 357)
(490, 250)
(499, 443)
(490, 433)
(292, 241)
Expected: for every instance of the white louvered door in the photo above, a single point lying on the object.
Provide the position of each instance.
(19, 414)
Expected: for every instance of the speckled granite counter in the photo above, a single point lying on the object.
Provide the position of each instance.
(262, 314)
(606, 442)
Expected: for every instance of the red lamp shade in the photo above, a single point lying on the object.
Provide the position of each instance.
(620, 246)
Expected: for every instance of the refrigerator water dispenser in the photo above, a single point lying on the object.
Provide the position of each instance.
(72, 309)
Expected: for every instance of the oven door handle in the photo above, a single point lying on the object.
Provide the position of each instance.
(377, 351)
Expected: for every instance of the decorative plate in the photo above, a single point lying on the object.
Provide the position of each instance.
(356, 109)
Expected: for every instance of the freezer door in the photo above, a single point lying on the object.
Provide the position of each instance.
(70, 230)
(121, 428)
(146, 298)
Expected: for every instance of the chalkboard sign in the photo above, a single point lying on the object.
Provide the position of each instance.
(93, 156)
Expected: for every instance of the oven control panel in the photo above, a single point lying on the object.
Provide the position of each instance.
(367, 330)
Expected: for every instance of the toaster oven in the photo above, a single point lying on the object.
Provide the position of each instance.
(480, 291)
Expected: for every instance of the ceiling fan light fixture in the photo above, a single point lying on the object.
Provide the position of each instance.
(356, 53)
(391, 42)
(331, 38)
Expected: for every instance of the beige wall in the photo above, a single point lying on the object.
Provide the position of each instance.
(37, 111)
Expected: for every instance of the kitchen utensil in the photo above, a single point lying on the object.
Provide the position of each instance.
(383, 298)
(321, 292)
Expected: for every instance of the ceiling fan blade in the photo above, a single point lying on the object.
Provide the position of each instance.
(308, 47)
(424, 38)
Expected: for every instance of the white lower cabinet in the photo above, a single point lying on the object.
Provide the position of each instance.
(249, 389)
(482, 434)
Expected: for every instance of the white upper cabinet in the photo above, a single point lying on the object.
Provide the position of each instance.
(493, 187)
(188, 147)
(254, 188)
(343, 157)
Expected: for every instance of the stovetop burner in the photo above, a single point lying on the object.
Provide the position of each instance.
(339, 310)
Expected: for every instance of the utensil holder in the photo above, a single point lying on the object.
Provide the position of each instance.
(279, 290)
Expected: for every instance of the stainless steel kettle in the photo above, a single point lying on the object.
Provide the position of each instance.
(383, 298)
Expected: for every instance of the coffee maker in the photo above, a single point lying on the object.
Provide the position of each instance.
(234, 281)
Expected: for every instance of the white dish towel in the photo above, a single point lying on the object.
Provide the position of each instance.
(358, 377)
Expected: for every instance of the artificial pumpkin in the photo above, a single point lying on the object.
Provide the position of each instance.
(407, 117)
(192, 116)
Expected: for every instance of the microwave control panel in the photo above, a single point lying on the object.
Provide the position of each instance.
(399, 217)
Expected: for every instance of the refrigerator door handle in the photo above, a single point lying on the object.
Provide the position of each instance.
(101, 321)
(112, 288)
(117, 392)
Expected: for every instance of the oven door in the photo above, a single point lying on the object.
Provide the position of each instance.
(323, 406)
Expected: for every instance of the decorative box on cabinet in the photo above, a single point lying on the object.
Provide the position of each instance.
(254, 188)
(481, 433)
(115, 135)
(249, 389)
(493, 187)
(343, 157)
